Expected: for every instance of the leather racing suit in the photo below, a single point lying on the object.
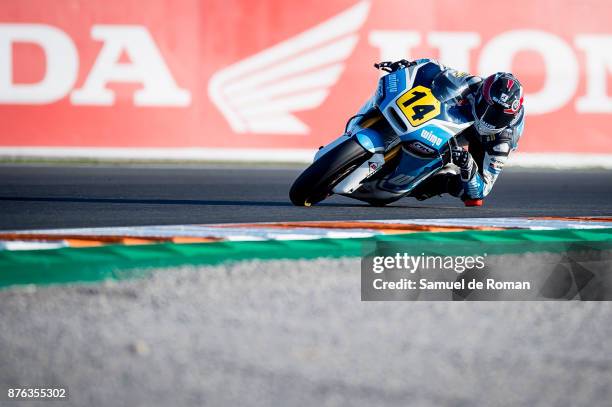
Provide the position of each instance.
(489, 152)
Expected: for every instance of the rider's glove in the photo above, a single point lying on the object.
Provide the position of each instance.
(462, 159)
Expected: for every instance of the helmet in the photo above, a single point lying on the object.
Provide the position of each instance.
(497, 103)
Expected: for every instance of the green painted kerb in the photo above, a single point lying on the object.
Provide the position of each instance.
(119, 262)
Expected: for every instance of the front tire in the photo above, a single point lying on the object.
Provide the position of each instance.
(316, 182)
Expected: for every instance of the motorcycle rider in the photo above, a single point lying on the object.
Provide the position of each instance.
(497, 107)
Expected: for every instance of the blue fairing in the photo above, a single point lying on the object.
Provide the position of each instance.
(423, 146)
(413, 167)
(422, 123)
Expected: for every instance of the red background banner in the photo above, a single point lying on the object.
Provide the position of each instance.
(283, 75)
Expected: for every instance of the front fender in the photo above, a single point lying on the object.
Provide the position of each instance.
(371, 140)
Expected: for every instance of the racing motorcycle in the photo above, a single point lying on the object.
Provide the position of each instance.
(398, 139)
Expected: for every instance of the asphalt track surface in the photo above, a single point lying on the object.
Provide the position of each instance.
(287, 333)
(51, 196)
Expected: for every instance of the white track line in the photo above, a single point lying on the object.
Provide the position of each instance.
(527, 160)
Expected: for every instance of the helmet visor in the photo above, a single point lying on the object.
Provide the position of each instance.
(492, 116)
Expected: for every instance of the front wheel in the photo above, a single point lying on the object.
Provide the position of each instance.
(317, 181)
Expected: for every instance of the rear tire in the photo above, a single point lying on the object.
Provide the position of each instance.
(316, 182)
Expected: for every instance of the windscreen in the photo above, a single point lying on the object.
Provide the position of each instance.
(448, 87)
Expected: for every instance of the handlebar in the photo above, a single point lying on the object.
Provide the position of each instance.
(389, 66)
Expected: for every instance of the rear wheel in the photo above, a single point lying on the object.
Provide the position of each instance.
(318, 180)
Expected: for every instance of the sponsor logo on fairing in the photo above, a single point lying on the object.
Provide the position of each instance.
(392, 83)
(429, 136)
(420, 149)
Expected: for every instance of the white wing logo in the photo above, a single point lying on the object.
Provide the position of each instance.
(259, 94)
